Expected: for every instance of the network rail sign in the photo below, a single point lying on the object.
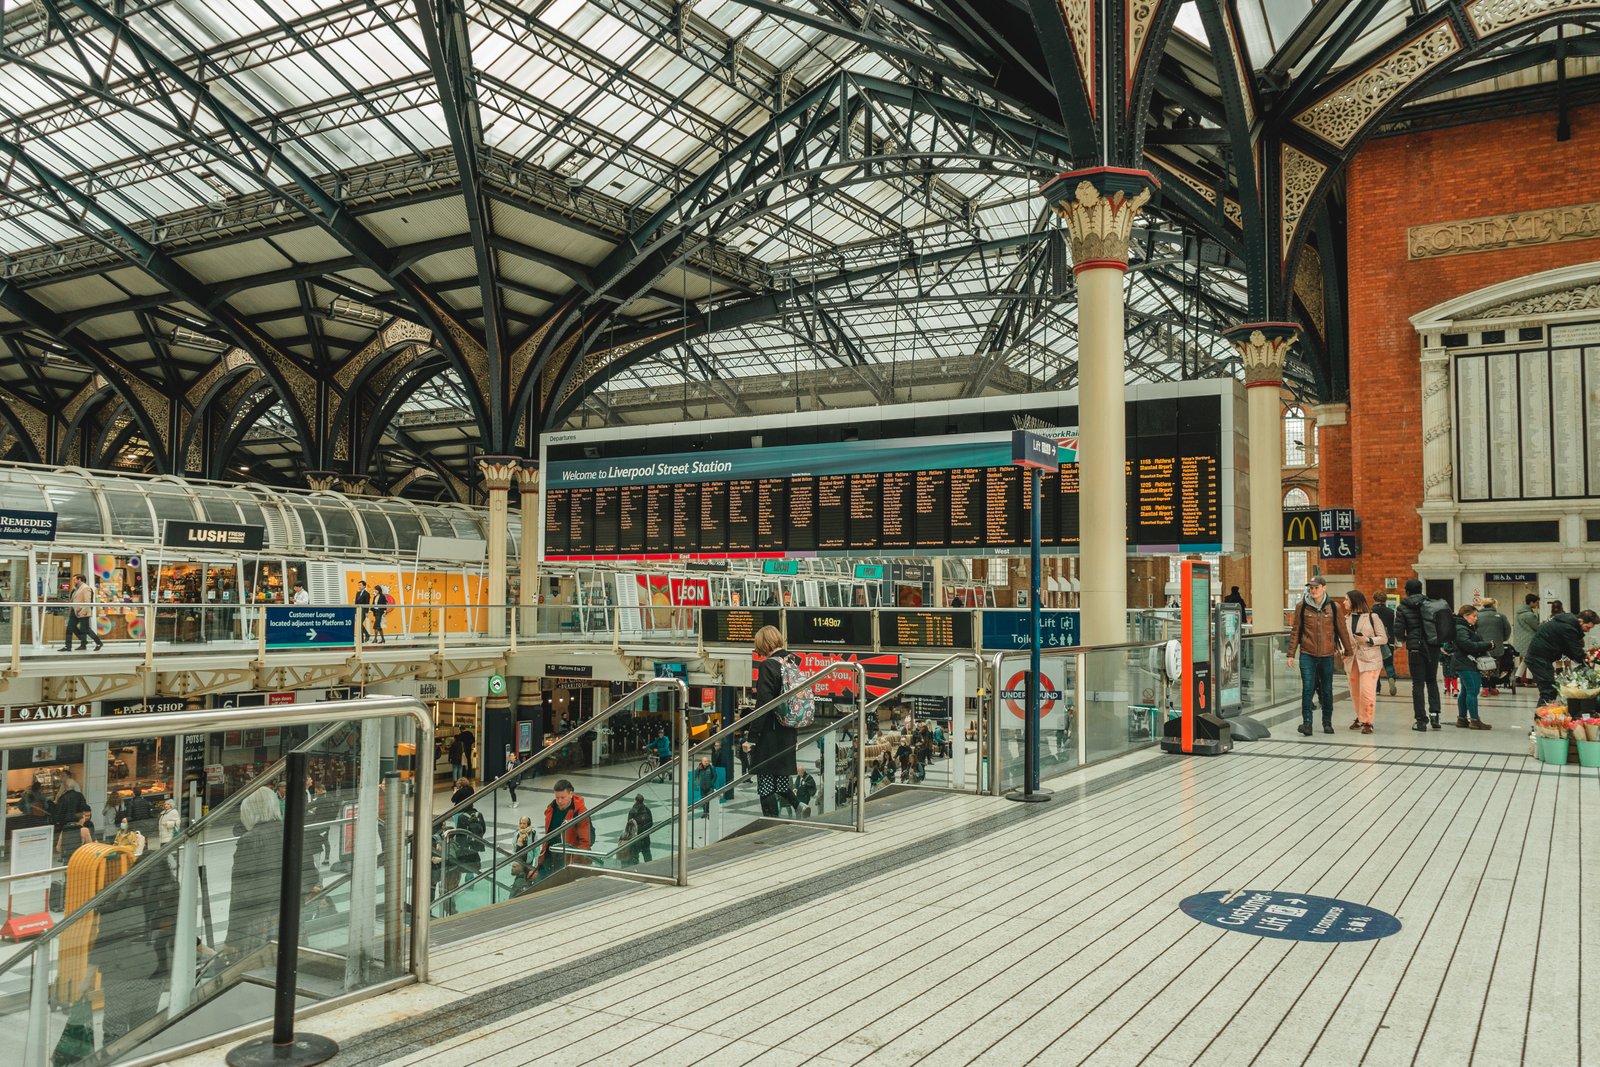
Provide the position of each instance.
(311, 627)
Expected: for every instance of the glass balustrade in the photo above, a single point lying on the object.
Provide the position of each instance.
(602, 796)
(169, 944)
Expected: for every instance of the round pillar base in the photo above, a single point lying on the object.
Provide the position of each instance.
(1038, 796)
(306, 1050)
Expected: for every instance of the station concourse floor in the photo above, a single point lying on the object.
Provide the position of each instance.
(965, 929)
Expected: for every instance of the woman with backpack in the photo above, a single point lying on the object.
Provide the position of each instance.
(1465, 649)
(769, 739)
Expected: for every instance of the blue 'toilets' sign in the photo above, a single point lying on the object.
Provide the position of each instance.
(1290, 916)
(310, 627)
(1004, 630)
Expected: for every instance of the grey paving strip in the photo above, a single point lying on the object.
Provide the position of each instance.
(539, 987)
(1416, 763)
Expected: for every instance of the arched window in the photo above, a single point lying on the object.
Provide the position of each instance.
(1296, 498)
(1296, 452)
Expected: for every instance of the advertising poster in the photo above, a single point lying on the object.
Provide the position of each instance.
(1230, 630)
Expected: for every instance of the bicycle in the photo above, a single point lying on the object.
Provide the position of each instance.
(650, 765)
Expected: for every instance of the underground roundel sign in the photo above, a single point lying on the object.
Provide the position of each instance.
(1290, 916)
(1016, 694)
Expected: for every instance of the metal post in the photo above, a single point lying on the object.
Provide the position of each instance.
(183, 934)
(681, 793)
(36, 1043)
(1031, 793)
(283, 1047)
(394, 912)
(861, 748)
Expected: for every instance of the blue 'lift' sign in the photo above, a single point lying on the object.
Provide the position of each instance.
(311, 627)
(1290, 916)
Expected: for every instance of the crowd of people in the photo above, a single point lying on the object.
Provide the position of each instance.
(1476, 649)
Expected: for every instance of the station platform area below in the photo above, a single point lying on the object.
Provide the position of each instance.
(1398, 897)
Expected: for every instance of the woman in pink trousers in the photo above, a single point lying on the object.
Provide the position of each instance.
(1368, 635)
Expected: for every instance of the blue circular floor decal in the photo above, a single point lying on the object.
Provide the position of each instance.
(1291, 916)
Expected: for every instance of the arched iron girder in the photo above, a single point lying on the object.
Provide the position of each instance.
(652, 248)
(117, 374)
(256, 157)
(1338, 157)
(75, 207)
(751, 310)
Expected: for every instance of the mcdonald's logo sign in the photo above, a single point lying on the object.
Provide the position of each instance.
(1300, 528)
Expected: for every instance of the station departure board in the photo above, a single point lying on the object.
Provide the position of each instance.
(736, 626)
(925, 629)
(956, 495)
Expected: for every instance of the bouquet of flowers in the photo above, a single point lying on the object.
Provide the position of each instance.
(1583, 677)
(1552, 721)
(1586, 729)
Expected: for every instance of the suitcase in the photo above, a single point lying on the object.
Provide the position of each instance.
(58, 896)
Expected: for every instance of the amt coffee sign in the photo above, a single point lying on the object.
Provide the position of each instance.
(49, 712)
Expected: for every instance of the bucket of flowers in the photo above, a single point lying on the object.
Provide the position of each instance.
(1551, 726)
(1586, 732)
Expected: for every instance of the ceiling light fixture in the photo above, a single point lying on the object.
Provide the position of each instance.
(193, 339)
(350, 311)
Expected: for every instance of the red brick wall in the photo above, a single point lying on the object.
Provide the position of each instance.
(1435, 176)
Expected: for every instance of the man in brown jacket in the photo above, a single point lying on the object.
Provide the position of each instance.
(1317, 633)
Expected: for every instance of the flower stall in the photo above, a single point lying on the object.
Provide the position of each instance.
(1568, 731)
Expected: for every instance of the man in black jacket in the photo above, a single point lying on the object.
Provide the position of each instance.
(1560, 638)
(1422, 656)
(1381, 608)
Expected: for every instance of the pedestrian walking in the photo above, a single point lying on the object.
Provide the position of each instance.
(1316, 636)
(1364, 663)
(363, 599)
(1494, 628)
(771, 741)
(1412, 628)
(80, 617)
(1381, 608)
(1522, 631)
(1465, 649)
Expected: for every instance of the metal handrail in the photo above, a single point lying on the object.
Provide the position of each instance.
(74, 731)
(975, 658)
(851, 667)
(804, 683)
(526, 766)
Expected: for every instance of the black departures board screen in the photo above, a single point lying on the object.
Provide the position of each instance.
(925, 629)
(954, 495)
(736, 626)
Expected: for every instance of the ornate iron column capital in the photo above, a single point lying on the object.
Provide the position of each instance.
(322, 481)
(528, 477)
(1099, 206)
(498, 471)
(1264, 347)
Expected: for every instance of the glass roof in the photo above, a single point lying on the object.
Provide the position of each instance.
(586, 118)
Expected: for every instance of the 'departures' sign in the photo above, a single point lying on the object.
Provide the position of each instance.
(213, 535)
(27, 525)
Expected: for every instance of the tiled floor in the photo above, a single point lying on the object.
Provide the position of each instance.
(972, 930)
